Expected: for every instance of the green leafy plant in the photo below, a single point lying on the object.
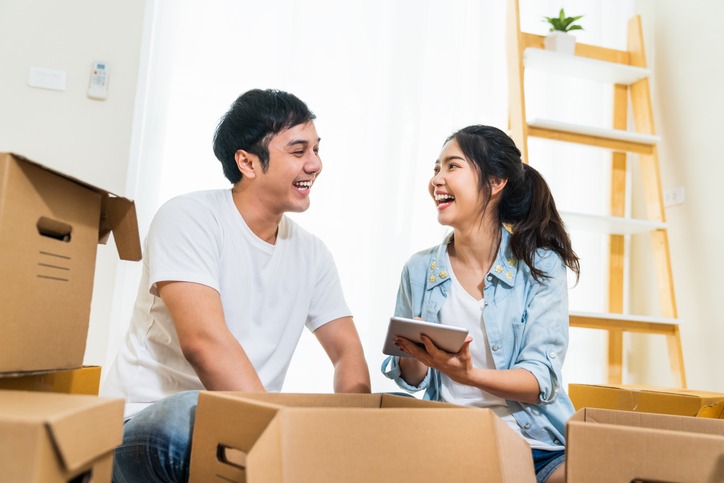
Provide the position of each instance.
(563, 23)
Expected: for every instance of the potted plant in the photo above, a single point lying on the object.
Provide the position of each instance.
(559, 39)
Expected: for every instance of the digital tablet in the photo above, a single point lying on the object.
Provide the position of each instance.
(446, 337)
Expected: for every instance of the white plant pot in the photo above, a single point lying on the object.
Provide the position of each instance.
(560, 42)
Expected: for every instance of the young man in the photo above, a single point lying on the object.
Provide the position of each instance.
(228, 284)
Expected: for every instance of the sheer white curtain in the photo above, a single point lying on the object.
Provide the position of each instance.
(388, 81)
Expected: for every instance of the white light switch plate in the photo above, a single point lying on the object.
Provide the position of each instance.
(47, 78)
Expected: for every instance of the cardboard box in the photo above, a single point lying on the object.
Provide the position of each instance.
(58, 438)
(682, 402)
(604, 445)
(85, 380)
(332, 438)
(50, 226)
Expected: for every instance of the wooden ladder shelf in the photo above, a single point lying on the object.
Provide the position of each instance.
(627, 72)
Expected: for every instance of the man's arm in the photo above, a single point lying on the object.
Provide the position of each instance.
(217, 357)
(341, 342)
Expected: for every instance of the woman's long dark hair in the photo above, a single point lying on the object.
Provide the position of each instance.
(526, 202)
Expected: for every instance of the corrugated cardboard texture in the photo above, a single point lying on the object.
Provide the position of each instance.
(50, 226)
(84, 380)
(351, 438)
(54, 438)
(682, 402)
(611, 446)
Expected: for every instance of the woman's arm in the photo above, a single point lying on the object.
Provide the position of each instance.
(412, 370)
(512, 384)
(408, 373)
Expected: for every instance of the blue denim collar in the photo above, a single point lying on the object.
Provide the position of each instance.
(504, 268)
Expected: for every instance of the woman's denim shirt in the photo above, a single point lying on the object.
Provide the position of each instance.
(526, 323)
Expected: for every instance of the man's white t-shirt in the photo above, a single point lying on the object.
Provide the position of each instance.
(268, 292)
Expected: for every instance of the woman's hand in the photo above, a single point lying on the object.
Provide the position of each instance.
(458, 366)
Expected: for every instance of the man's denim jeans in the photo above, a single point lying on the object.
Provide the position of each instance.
(157, 442)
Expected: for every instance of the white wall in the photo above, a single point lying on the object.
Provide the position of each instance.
(68, 131)
(685, 47)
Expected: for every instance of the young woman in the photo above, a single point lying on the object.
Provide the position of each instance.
(501, 273)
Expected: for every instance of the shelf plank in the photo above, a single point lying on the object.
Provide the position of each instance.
(624, 322)
(582, 67)
(613, 139)
(610, 225)
(530, 40)
(601, 132)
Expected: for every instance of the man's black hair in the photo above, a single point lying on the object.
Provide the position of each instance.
(250, 123)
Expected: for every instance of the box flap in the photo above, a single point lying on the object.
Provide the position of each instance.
(312, 400)
(637, 388)
(659, 422)
(218, 442)
(674, 391)
(508, 443)
(342, 400)
(392, 401)
(118, 215)
(84, 433)
(264, 463)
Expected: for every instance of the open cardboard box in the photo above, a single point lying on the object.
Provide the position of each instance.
(50, 226)
(681, 402)
(332, 438)
(605, 445)
(58, 438)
